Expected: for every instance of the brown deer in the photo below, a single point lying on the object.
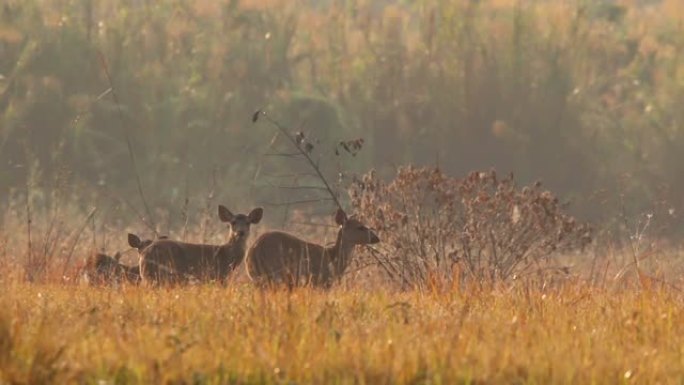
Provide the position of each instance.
(101, 268)
(166, 261)
(135, 242)
(278, 257)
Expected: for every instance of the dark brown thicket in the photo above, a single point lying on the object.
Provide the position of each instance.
(480, 227)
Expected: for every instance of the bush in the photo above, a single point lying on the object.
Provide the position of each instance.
(481, 227)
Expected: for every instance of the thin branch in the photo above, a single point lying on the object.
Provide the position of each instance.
(29, 219)
(303, 201)
(103, 94)
(127, 138)
(318, 188)
(313, 224)
(289, 175)
(78, 236)
(283, 154)
(257, 171)
(303, 152)
(128, 204)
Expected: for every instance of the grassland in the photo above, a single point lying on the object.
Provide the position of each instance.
(585, 95)
(571, 334)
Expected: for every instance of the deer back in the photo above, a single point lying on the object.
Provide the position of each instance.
(166, 261)
(279, 257)
(102, 269)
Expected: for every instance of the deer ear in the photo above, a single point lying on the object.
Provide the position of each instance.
(224, 214)
(255, 215)
(134, 241)
(340, 217)
(117, 256)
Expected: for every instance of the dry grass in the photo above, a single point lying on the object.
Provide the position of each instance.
(573, 92)
(237, 334)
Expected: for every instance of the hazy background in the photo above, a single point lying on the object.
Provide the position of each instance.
(587, 96)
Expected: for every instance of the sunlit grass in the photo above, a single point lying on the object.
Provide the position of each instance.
(575, 93)
(572, 334)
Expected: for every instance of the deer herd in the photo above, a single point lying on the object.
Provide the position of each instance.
(275, 259)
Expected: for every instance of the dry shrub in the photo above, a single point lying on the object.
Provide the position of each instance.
(433, 226)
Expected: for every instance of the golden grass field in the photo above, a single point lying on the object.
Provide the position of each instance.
(570, 334)
(584, 95)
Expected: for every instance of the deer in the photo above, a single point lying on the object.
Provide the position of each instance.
(171, 262)
(278, 257)
(101, 268)
(135, 242)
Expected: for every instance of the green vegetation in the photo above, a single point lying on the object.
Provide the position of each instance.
(582, 94)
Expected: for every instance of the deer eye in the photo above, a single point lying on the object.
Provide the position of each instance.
(362, 228)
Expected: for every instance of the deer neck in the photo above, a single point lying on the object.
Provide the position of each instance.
(234, 246)
(340, 255)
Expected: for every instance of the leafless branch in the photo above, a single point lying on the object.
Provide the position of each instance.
(313, 224)
(303, 201)
(127, 138)
(290, 175)
(284, 155)
(318, 188)
(305, 151)
(78, 236)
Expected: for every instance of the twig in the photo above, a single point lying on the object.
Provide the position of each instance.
(283, 154)
(390, 270)
(634, 240)
(319, 188)
(185, 210)
(78, 236)
(207, 207)
(28, 220)
(93, 228)
(131, 154)
(290, 175)
(128, 204)
(359, 267)
(257, 172)
(286, 214)
(302, 151)
(303, 201)
(313, 224)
